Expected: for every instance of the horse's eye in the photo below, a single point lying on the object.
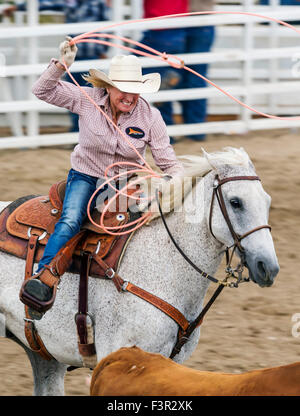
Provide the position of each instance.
(235, 203)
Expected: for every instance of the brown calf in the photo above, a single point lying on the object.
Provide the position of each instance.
(134, 372)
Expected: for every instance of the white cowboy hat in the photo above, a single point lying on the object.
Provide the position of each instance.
(125, 73)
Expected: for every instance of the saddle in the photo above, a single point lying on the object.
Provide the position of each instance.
(25, 228)
(37, 217)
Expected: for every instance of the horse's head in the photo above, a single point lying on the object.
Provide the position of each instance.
(239, 213)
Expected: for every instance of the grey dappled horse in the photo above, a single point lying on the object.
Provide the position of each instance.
(152, 262)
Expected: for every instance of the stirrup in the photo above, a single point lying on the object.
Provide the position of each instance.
(47, 278)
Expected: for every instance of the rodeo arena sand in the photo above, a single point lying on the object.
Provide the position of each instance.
(247, 328)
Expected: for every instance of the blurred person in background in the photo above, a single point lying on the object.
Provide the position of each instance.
(171, 41)
(75, 11)
(177, 41)
(281, 2)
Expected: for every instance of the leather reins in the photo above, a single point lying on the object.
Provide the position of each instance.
(183, 335)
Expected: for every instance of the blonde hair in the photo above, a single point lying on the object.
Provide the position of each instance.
(96, 82)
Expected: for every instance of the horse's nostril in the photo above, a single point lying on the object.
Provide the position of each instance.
(263, 270)
(261, 267)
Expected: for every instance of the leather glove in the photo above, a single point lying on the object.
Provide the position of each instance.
(67, 52)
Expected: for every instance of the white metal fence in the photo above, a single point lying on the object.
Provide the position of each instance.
(256, 63)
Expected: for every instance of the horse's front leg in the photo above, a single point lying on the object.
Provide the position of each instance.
(48, 376)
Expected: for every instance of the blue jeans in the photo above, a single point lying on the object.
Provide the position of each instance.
(282, 2)
(177, 41)
(79, 190)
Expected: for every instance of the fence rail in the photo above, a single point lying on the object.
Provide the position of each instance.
(256, 63)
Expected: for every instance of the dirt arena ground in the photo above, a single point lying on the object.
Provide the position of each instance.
(247, 328)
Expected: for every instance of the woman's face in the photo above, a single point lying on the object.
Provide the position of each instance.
(121, 102)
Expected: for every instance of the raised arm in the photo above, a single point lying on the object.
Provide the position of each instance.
(51, 89)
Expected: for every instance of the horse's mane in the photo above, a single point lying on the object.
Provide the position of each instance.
(174, 191)
(200, 165)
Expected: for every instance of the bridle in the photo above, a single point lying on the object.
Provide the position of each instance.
(235, 274)
(217, 194)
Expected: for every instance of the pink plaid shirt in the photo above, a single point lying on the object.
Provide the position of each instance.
(99, 143)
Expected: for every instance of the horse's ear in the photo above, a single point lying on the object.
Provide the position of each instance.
(251, 165)
(212, 161)
(227, 157)
(205, 154)
(247, 158)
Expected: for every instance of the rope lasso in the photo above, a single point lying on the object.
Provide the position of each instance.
(173, 61)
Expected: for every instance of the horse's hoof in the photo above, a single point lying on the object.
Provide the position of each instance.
(38, 290)
(35, 314)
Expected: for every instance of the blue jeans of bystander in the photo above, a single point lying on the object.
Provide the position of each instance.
(178, 41)
(171, 41)
(198, 39)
